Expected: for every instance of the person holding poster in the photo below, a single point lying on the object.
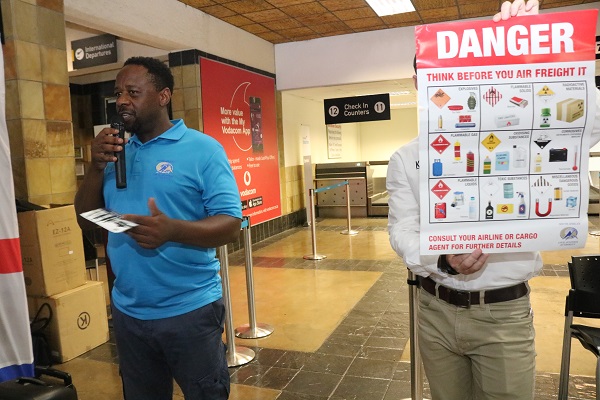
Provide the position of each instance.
(475, 324)
(167, 306)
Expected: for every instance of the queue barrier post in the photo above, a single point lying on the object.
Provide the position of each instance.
(416, 366)
(349, 230)
(252, 330)
(313, 229)
(239, 355)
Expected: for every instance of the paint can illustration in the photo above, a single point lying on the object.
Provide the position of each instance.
(558, 194)
(508, 191)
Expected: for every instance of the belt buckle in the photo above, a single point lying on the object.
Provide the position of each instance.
(461, 298)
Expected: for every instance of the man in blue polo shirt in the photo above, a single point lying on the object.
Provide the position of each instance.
(168, 313)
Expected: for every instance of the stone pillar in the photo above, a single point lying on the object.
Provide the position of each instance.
(38, 109)
(186, 101)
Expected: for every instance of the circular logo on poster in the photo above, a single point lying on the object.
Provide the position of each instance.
(83, 320)
(79, 54)
(569, 233)
(247, 178)
(334, 111)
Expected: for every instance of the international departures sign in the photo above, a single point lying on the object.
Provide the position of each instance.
(342, 110)
(92, 51)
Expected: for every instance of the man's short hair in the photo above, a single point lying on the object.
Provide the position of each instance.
(158, 70)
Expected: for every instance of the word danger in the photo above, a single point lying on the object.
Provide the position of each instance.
(497, 41)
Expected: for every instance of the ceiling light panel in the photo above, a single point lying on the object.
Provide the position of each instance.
(391, 7)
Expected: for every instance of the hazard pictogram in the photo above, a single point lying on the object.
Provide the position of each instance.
(491, 141)
(440, 189)
(492, 96)
(440, 144)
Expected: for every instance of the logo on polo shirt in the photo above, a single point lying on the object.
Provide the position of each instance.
(164, 168)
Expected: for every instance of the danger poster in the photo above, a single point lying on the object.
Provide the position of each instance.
(239, 110)
(505, 111)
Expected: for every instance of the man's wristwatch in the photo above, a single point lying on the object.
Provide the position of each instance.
(443, 266)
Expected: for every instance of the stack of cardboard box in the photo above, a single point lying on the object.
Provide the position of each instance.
(54, 270)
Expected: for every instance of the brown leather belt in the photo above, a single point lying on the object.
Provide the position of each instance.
(464, 299)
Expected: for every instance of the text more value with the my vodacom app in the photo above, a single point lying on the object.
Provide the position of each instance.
(505, 115)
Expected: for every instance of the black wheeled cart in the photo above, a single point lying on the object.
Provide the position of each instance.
(37, 389)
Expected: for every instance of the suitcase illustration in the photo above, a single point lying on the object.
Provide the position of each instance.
(36, 389)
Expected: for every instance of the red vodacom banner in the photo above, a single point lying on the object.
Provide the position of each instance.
(532, 39)
(238, 108)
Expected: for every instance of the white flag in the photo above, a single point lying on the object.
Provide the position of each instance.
(16, 358)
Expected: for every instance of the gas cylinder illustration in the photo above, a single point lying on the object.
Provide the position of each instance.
(470, 161)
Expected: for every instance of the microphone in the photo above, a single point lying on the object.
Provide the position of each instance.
(120, 170)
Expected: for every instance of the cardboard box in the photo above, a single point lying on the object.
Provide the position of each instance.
(52, 251)
(79, 322)
(569, 110)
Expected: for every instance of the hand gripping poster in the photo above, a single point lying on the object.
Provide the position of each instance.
(506, 113)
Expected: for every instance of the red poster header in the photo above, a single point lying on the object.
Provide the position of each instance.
(531, 39)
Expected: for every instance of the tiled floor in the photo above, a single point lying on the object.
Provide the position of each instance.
(341, 324)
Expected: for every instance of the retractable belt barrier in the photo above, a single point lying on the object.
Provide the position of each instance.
(252, 330)
(239, 355)
(313, 230)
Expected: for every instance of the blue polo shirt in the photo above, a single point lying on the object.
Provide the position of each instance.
(188, 175)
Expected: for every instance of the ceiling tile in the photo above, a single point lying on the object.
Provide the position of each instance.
(402, 18)
(337, 33)
(218, 11)
(429, 4)
(296, 32)
(336, 5)
(355, 13)
(303, 10)
(281, 24)
(283, 3)
(255, 28)
(198, 3)
(269, 15)
(248, 6)
(439, 14)
(237, 20)
(560, 3)
(483, 9)
(270, 36)
(365, 23)
(318, 19)
(338, 26)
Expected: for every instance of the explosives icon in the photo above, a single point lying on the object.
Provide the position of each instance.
(472, 102)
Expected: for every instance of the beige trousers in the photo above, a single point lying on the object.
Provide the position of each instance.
(483, 352)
